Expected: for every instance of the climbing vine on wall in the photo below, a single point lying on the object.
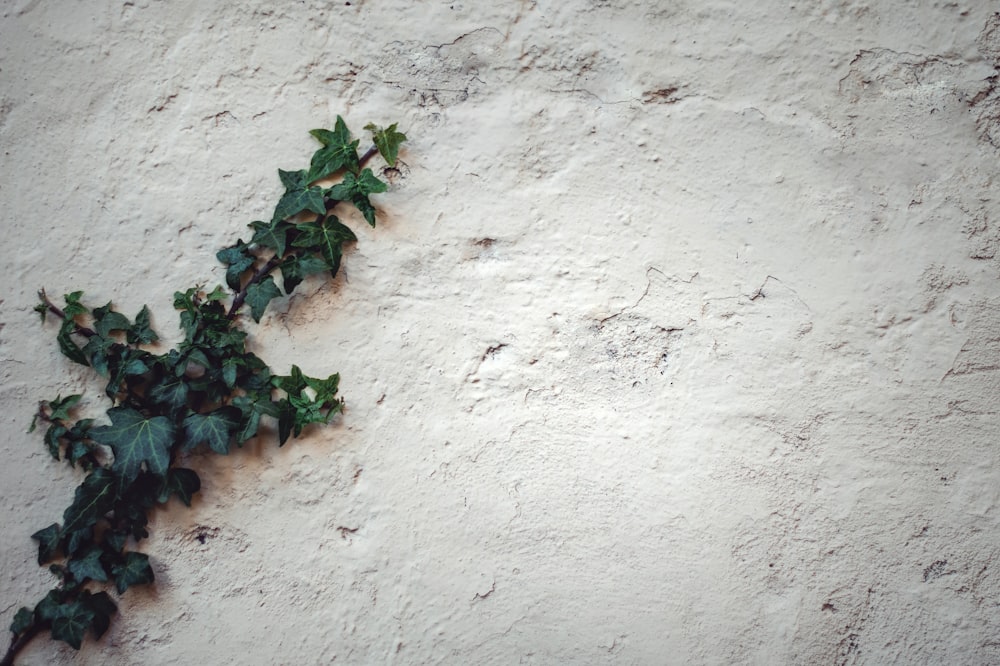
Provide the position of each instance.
(207, 393)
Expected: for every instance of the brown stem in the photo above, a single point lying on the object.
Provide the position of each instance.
(19, 642)
(57, 311)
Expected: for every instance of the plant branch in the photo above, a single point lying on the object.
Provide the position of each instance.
(19, 642)
(275, 261)
(57, 311)
(258, 275)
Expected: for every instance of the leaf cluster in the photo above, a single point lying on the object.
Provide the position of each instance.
(209, 392)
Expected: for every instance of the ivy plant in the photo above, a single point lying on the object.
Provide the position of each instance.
(209, 392)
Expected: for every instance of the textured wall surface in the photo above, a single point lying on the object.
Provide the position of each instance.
(678, 342)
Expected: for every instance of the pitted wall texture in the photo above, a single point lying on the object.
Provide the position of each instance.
(677, 343)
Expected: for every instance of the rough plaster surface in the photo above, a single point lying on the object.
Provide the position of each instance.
(678, 342)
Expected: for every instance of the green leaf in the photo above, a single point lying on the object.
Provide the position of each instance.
(300, 408)
(273, 235)
(136, 440)
(230, 369)
(100, 350)
(140, 333)
(66, 345)
(49, 607)
(106, 321)
(259, 295)
(217, 294)
(52, 436)
(238, 259)
(73, 305)
(387, 141)
(124, 362)
(113, 542)
(327, 238)
(103, 609)
(215, 429)
(296, 268)
(249, 427)
(182, 482)
(357, 189)
(23, 619)
(286, 420)
(252, 410)
(298, 196)
(48, 542)
(135, 570)
(326, 389)
(338, 152)
(172, 393)
(93, 498)
(59, 408)
(292, 383)
(89, 566)
(70, 623)
(78, 540)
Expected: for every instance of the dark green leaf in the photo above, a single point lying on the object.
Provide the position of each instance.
(286, 420)
(215, 429)
(88, 566)
(66, 345)
(136, 440)
(357, 189)
(94, 498)
(103, 609)
(217, 294)
(78, 540)
(249, 427)
(238, 259)
(77, 452)
(292, 383)
(296, 268)
(171, 392)
(182, 482)
(326, 389)
(252, 410)
(106, 321)
(52, 436)
(135, 570)
(71, 621)
(140, 333)
(73, 305)
(327, 238)
(273, 235)
(48, 542)
(49, 607)
(230, 368)
(259, 295)
(298, 196)
(23, 619)
(387, 141)
(59, 408)
(101, 351)
(113, 542)
(338, 152)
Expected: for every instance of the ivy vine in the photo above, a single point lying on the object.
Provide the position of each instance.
(208, 392)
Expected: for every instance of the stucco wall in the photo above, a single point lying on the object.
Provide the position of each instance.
(677, 342)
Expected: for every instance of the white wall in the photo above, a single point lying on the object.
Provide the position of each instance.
(677, 342)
